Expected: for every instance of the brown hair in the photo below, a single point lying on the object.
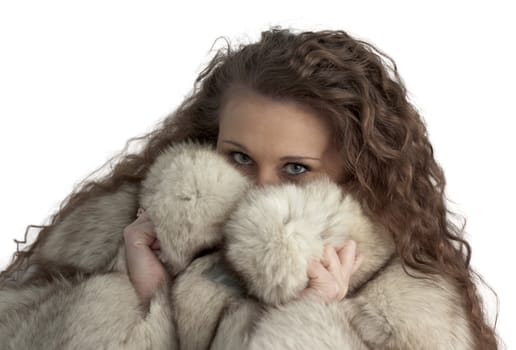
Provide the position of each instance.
(389, 162)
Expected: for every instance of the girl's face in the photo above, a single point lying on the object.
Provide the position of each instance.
(274, 141)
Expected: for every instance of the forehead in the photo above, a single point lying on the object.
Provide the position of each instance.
(257, 120)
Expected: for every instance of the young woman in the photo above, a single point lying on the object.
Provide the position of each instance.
(289, 108)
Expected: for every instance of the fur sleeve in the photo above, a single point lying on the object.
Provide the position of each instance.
(89, 238)
(393, 311)
(426, 312)
(300, 324)
(100, 312)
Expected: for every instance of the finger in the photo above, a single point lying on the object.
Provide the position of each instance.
(340, 245)
(347, 253)
(344, 245)
(319, 277)
(155, 245)
(142, 234)
(337, 246)
(146, 226)
(347, 256)
(142, 218)
(316, 270)
(143, 225)
(331, 259)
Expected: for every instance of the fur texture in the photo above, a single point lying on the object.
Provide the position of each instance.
(239, 256)
(274, 233)
(187, 207)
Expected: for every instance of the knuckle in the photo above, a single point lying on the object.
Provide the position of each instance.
(345, 272)
(127, 232)
(130, 233)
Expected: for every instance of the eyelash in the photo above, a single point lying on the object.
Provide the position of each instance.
(231, 155)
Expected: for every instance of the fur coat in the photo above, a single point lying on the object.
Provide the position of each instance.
(237, 257)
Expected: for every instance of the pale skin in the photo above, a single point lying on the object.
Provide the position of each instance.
(272, 142)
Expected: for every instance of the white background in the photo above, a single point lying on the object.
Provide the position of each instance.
(78, 79)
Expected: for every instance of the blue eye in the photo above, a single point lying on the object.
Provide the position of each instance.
(241, 158)
(295, 169)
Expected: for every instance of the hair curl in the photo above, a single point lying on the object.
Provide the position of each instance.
(389, 161)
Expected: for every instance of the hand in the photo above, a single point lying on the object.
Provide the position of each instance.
(141, 246)
(329, 279)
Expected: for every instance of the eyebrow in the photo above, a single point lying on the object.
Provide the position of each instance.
(282, 158)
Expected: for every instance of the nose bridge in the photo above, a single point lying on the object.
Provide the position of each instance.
(266, 176)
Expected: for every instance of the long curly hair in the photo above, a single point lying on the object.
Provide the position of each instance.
(389, 161)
